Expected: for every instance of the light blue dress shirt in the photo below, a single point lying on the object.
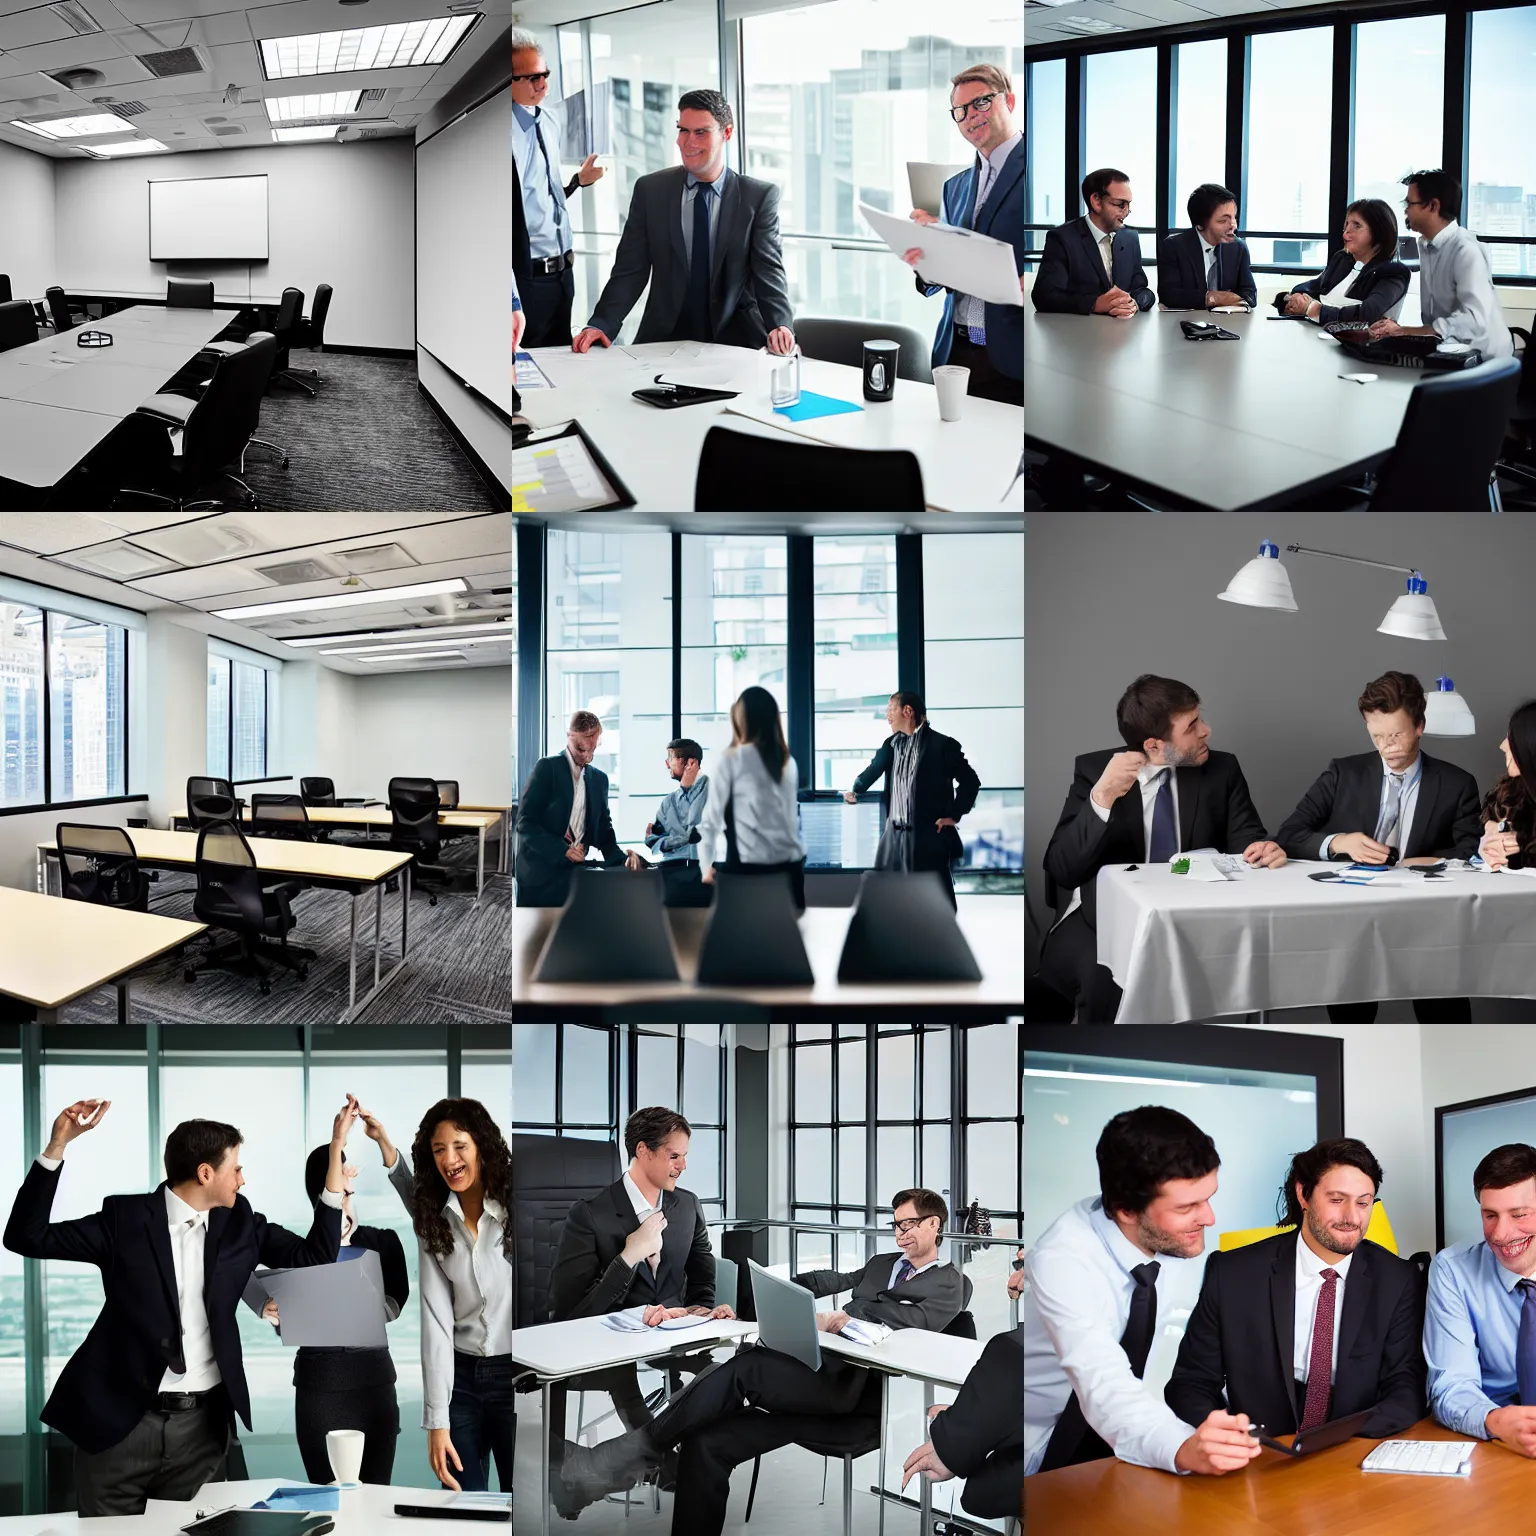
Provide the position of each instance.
(969, 310)
(714, 190)
(543, 193)
(1471, 1325)
(676, 817)
(1406, 806)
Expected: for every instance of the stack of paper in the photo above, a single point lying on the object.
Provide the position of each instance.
(858, 1331)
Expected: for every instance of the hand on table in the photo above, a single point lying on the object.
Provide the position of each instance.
(1221, 1444)
(924, 1461)
(440, 1452)
(1118, 776)
(632, 860)
(850, 797)
(781, 341)
(1497, 848)
(587, 337)
(1117, 302)
(1223, 296)
(1515, 1427)
(830, 1322)
(81, 1116)
(1268, 855)
(1296, 303)
(590, 171)
(519, 325)
(1361, 847)
(576, 853)
(722, 1313)
(653, 1315)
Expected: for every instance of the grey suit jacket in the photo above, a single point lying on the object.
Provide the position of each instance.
(931, 1300)
(748, 293)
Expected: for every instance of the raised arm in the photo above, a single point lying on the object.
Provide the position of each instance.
(85, 1240)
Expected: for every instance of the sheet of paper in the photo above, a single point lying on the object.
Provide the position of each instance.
(958, 258)
(662, 351)
(479, 1501)
(328, 1304)
(527, 374)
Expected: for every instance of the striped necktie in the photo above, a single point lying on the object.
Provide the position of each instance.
(905, 1273)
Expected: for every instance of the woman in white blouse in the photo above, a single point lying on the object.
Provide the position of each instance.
(1364, 281)
(462, 1217)
(751, 822)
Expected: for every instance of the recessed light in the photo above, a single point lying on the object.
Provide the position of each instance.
(369, 598)
(298, 109)
(113, 148)
(397, 46)
(418, 644)
(404, 636)
(306, 135)
(76, 127)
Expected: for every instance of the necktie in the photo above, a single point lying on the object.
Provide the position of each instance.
(904, 1273)
(1320, 1360)
(697, 309)
(1386, 828)
(1165, 834)
(549, 175)
(1525, 1344)
(1211, 271)
(1107, 251)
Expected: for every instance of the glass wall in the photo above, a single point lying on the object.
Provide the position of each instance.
(1121, 117)
(1200, 141)
(14, 1158)
(1501, 137)
(1290, 116)
(238, 704)
(1046, 104)
(21, 705)
(1397, 61)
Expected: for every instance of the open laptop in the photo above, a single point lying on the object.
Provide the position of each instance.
(786, 1316)
(1334, 1432)
(927, 184)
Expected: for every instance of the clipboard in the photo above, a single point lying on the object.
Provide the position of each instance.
(620, 495)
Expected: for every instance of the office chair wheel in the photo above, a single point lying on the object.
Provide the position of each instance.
(189, 975)
(303, 973)
(284, 464)
(266, 986)
(431, 901)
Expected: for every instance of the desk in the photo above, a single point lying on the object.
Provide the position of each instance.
(1184, 949)
(153, 296)
(992, 926)
(51, 957)
(1232, 424)
(504, 833)
(967, 464)
(327, 865)
(1277, 1496)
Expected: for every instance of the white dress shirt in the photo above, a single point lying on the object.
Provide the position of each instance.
(466, 1304)
(1405, 807)
(577, 825)
(1149, 780)
(1309, 1283)
(766, 816)
(643, 1208)
(1077, 1301)
(1456, 294)
(1338, 295)
(1206, 248)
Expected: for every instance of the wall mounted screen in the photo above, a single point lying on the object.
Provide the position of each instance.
(208, 218)
(1464, 1135)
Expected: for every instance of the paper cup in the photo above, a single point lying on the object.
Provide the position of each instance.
(952, 385)
(345, 1449)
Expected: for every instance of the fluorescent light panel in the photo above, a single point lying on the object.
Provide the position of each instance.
(306, 135)
(372, 597)
(403, 636)
(294, 109)
(377, 650)
(77, 127)
(126, 147)
(397, 46)
(417, 656)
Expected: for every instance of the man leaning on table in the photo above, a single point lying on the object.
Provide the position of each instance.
(1099, 1279)
(1092, 266)
(988, 196)
(1480, 1323)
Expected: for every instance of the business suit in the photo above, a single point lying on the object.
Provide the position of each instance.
(1241, 1340)
(748, 295)
(980, 1436)
(1181, 275)
(1071, 274)
(546, 296)
(1375, 293)
(1215, 811)
(543, 815)
(941, 766)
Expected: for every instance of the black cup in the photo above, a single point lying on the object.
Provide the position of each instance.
(880, 362)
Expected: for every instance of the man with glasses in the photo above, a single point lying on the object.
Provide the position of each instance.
(674, 834)
(541, 236)
(1092, 266)
(989, 198)
(1417, 808)
(706, 239)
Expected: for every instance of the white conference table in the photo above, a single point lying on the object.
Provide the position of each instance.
(1232, 424)
(1184, 950)
(968, 465)
(153, 296)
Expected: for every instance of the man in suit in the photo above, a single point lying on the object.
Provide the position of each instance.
(909, 1288)
(1418, 809)
(707, 241)
(1186, 797)
(1310, 1325)
(922, 804)
(541, 233)
(1092, 266)
(1207, 265)
(563, 812)
(988, 196)
(148, 1399)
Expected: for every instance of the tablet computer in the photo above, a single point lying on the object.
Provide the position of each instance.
(562, 470)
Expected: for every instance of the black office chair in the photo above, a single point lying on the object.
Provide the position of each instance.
(1518, 461)
(963, 1324)
(309, 334)
(18, 324)
(741, 473)
(280, 816)
(65, 316)
(842, 341)
(230, 896)
(316, 791)
(100, 865)
(211, 800)
(285, 328)
(5, 288)
(183, 294)
(413, 808)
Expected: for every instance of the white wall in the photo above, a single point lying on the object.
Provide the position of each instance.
(481, 427)
(176, 716)
(336, 748)
(26, 221)
(342, 214)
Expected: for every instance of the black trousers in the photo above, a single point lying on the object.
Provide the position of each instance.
(547, 301)
(1427, 1010)
(985, 381)
(164, 1456)
(373, 1410)
(620, 1382)
(1069, 962)
(681, 884)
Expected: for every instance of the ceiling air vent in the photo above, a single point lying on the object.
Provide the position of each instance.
(377, 557)
(174, 61)
(373, 96)
(297, 571)
(77, 79)
(75, 17)
(124, 108)
(226, 133)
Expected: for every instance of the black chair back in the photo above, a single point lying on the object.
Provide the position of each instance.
(448, 794)
(100, 864)
(741, 473)
(317, 791)
(549, 1174)
(18, 324)
(58, 308)
(842, 341)
(5, 288)
(286, 324)
(314, 332)
(961, 1326)
(1452, 433)
(225, 419)
(229, 891)
(413, 808)
(211, 800)
(280, 816)
(183, 294)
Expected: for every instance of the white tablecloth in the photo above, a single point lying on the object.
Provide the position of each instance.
(1184, 950)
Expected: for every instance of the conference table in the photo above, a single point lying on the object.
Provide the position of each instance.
(122, 296)
(969, 465)
(1322, 1494)
(1184, 949)
(53, 957)
(59, 400)
(1252, 423)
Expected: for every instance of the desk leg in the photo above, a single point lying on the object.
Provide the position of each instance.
(504, 845)
(50, 1015)
(378, 927)
(925, 1488)
(122, 986)
(480, 867)
(405, 905)
(542, 1494)
(352, 963)
(41, 888)
(885, 1385)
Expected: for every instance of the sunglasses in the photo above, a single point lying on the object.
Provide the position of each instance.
(543, 74)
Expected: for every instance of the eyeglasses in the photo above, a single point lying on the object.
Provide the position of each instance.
(1413, 202)
(1122, 203)
(981, 105)
(908, 1223)
(698, 135)
(543, 74)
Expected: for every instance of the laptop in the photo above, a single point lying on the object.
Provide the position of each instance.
(786, 1316)
(927, 184)
(1320, 1438)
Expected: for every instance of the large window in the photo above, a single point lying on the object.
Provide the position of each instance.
(14, 1157)
(21, 698)
(1121, 112)
(237, 719)
(1046, 106)
(1397, 61)
(1200, 143)
(1501, 138)
(854, 609)
(1290, 116)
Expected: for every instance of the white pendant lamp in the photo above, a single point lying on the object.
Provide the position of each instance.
(1413, 616)
(1262, 583)
(1446, 712)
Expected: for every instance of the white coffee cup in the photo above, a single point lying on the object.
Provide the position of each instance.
(952, 384)
(345, 1449)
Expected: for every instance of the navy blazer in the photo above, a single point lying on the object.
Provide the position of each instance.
(1071, 275)
(1181, 271)
(1002, 217)
(1380, 285)
(543, 813)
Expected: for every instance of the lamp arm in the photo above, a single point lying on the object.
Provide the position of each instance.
(1328, 554)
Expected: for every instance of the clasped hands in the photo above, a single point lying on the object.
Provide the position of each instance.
(653, 1315)
(1497, 848)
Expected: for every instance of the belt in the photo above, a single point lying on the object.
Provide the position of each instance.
(901, 826)
(182, 1402)
(548, 264)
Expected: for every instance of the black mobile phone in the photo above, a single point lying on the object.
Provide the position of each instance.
(444, 1512)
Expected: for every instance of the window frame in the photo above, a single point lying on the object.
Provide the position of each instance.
(229, 663)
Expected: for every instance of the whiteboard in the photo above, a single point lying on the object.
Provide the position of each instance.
(208, 218)
(464, 248)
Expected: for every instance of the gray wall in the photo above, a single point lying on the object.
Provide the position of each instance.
(26, 225)
(1109, 596)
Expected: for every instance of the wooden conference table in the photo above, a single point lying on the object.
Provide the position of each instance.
(52, 957)
(327, 865)
(1232, 424)
(968, 465)
(1324, 1494)
(58, 400)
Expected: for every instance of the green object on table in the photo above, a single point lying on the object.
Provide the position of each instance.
(1180, 866)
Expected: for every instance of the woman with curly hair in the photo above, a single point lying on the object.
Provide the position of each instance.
(462, 1217)
(1512, 801)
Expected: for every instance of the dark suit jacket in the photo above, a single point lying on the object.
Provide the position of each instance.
(1347, 798)
(980, 1436)
(931, 1300)
(1241, 1337)
(1379, 286)
(1215, 811)
(113, 1378)
(1181, 271)
(543, 812)
(591, 1278)
(1002, 217)
(941, 765)
(1071, 274)
(748, 295)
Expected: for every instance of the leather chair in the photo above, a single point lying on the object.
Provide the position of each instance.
(280, 816)
(64, 316)
(18, 324)
(842, 341)
(309, 334)
(413, 808)
(211, 800)
(742, 473)
(5, 288)
(101, 865)
(183, 294)
(285, 328)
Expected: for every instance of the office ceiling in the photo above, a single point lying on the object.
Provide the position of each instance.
(1055, 23)
(40, 44)
(208, 562)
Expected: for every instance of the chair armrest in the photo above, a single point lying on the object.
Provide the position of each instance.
(167, 407)
(341, 803)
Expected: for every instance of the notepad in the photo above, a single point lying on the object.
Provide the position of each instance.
(811, 405)
(310, 1498)
(1427, 1458)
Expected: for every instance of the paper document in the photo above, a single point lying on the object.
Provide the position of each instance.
(331, 1305)
(926, 183)
(479, 1501)
(1429, 1458)
(663, 351)
(858, 1331)
(527, 374)
(623, 1322)
(958, 258)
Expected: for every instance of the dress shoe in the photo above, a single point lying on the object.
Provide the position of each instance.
(588, 1473)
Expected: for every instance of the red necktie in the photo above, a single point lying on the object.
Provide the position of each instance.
(1320, 1362)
